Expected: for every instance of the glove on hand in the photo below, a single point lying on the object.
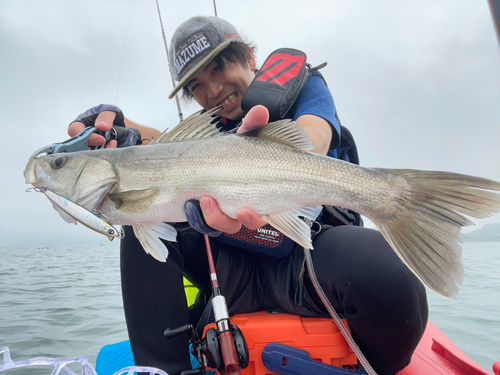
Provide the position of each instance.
(195, 218)
(89, 116)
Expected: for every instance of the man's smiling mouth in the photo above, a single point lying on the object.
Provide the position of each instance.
(229, 100)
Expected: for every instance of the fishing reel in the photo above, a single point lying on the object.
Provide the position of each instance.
(208, 350)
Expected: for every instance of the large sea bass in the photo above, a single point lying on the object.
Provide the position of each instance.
(267, 170)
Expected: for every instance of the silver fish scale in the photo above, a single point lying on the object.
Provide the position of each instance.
(266, 176)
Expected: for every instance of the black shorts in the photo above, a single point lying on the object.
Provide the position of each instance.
(384, 304)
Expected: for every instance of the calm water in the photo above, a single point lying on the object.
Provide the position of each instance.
(66, 302)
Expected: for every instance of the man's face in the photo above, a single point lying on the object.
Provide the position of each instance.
(222, 85)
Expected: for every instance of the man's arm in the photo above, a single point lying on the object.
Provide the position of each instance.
(104, 122)
(319, 131)
(147, 134)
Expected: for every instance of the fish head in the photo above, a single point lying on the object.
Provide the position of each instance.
(83, 177)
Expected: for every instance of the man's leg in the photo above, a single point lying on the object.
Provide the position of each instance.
(153, 300)
(384, 303)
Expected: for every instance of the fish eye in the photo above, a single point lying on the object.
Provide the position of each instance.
(59, 162)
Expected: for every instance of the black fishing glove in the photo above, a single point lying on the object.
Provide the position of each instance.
(195, 218)
(124, 137)
(89, 116)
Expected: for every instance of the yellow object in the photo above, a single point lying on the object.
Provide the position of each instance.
(191, 292)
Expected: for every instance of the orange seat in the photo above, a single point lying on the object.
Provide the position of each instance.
(320, 337)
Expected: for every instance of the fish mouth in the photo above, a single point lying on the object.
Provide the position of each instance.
(34, 174)
(229, 101)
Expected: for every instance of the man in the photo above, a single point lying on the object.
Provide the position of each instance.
(384, 303)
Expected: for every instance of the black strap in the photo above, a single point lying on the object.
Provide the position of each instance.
(347, 149)
(206, 317)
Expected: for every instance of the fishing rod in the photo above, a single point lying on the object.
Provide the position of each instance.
(495, 15)
(231, 364)
(215, 9)
(223, 347)
(179, 111)
(221, 314)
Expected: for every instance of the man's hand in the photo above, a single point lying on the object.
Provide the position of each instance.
(214, 217)
(103, 121)
(257, 116)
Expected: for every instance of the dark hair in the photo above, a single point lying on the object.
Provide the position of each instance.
(236, 52)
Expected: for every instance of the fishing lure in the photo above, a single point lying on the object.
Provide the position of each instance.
(82, 215)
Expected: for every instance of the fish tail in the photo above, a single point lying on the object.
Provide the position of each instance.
(425, 233)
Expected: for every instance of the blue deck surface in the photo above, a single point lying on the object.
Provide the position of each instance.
(114, 357)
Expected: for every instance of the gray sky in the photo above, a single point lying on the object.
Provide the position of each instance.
(417, 83)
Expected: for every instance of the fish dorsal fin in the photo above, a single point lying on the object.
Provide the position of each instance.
(291, 225)
(197, 126)
(284, 131)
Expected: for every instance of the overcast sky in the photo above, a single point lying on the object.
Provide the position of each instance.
(417, 83)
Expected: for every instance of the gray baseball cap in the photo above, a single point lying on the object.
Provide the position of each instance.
(195, 43)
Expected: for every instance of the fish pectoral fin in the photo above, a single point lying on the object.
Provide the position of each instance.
(292, 226)
(66, 217)
(149, 235)
(132, 201)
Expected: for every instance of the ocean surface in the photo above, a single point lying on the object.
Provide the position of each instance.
(66, 302)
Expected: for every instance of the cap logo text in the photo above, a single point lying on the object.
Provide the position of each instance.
(188, 50)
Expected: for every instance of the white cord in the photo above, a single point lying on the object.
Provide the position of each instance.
(362, 359)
